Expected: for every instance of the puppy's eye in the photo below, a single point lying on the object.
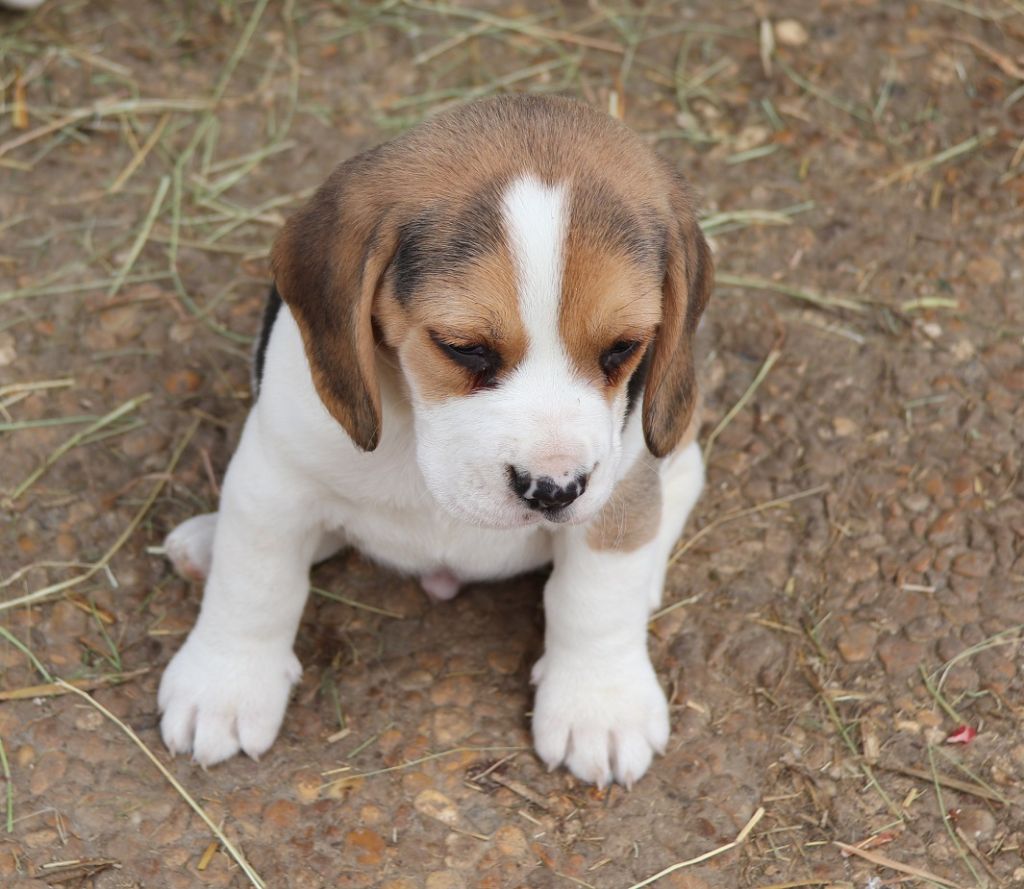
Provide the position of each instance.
(478, 359)
(617, 355)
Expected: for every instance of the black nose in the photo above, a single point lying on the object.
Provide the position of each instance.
(544, 493)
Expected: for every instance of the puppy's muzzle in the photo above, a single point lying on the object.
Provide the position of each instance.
(543, 494)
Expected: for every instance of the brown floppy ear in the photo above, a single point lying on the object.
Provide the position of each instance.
(671, 391)
(328, 262)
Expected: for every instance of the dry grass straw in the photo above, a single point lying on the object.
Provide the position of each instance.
(115, 547)
(356, 776)
(361, 606)
(503, 23)
(851, 108)
(141, 236)
(741, 838)
(844, 732)
(944, 815)
(811, 881)
(915, 169)
(776, 503)
(75, 440)
(38, 290)
(105, 108)
(9, 788)
(730, 415)
(885, 861)
(1010, 636)
(140, 156)
(715, 224)
(52, 690)
(229, 847)
(821, 300)
(982, 791)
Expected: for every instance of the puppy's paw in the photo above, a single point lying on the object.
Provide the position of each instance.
(190, 546)
(217, 700)
(603, 720)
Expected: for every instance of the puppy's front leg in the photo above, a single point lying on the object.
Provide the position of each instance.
(227, 688)
(599, 707)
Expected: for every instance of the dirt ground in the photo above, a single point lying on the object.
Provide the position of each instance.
(849, 592)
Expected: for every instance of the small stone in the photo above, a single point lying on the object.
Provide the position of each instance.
(38, 839)
(307, 786)
(505, 661)
(451, 726)
(974, 564)
(121, 321)
(920, 562)
(181, 332)
(49, 769)
(142, 443)
(366, 847)
(986, 270)
(900, 656)
(280, 815)
(182, 382)
(860, 568)
(750, 137)
(462, 851)
(454, 690)
(944, 528)
(416, 678)
(511, 841)
(857, 644)
(436, 805)
(790, 32)
(7, 351)
(915, 502)
(844, 427)
(445, 879)
(371, 814)
(962, 350)
(89, 720)
(977, 823)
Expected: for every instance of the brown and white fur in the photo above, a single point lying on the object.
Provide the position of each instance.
(483, 364)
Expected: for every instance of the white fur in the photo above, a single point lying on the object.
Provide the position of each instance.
(534, 216)
(434, 500)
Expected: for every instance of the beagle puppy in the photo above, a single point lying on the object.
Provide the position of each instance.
(477, 360)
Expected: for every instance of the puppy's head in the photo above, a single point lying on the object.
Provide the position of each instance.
(535, 269)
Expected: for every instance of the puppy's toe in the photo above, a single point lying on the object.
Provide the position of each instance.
(632, 753)
(177, 727)
(216, 738)
(588, 757)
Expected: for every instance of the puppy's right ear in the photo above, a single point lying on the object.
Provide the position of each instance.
(328, 262)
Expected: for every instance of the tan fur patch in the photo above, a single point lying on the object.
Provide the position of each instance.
(480, 306)
(632, 515)
(606, 298)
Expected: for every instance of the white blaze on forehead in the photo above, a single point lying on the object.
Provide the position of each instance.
(534, 215)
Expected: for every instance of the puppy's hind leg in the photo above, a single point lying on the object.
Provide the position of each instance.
(190, 546)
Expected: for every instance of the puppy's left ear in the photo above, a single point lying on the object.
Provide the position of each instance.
(328, 261)
(671, 391)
